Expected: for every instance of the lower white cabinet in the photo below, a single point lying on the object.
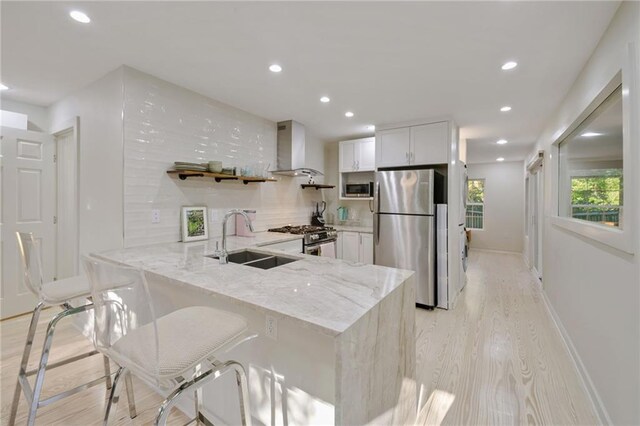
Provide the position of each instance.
(355, 246)
(366, 248)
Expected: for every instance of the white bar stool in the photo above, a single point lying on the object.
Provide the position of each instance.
(50, 294)
(174, 351)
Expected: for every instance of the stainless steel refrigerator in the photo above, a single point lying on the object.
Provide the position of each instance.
(404, 225)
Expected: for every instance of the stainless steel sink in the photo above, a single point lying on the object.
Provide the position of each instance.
(270, 262)
(246, 256)
(258, 260)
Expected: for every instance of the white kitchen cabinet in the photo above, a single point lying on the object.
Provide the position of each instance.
(351, 246)
(355, 246)
(393, 147)
(358, 155)
(413, 145)
(366, 248)
(429, 143)
(366, 154)
(347, 156)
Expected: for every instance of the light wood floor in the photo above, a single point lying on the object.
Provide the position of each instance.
(498, 358)
(84, 408)
(495, 359)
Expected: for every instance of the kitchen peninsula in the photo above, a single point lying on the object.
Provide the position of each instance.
(335, 340)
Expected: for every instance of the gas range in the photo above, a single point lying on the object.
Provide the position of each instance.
(312, 234)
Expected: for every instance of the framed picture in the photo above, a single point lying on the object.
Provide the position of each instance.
(194, 224)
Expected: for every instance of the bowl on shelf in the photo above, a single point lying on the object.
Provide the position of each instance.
(215, 166)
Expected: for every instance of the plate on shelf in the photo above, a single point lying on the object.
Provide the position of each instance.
(195, 168)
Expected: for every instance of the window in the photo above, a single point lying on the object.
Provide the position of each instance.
(475, 204)
(597, 198)
(591, 167)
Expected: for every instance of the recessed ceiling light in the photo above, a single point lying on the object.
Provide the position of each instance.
(500, 159)
(80, 16)
(324, 99)
(3, 87)
(590, 134)
(501, 141)
(348, 114)
(371, 127)
(505, 108)
(509, 65)
(275, 68)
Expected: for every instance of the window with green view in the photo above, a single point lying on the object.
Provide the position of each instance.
(475, 204)
(597, 198)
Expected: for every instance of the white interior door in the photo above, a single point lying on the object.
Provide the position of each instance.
(28, 205)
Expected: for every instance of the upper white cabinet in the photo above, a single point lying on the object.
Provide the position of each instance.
(393, 147)
(414, 145)
(358, 155)
(429, 143)
(366, 154)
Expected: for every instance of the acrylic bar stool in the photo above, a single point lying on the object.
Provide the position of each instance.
(50, 294)
(173, 352)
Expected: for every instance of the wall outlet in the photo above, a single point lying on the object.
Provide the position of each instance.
(213, 215)
(271, 327)
(155, 216)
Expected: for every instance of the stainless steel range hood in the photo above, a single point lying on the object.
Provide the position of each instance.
(291, 150)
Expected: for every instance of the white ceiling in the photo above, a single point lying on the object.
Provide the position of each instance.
(385, 61)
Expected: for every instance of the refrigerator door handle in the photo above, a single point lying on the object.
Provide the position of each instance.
(376, 231)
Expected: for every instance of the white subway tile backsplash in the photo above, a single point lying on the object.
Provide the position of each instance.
(164, 123)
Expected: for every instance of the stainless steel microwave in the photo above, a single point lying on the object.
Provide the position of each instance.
(359, 190)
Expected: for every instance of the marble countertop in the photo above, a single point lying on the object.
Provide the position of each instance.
(328, 295)
(353, 228)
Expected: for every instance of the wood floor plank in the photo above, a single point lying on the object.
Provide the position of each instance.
(83, 409)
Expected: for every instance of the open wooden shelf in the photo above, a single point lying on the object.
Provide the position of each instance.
(219, 177)
(317, 186)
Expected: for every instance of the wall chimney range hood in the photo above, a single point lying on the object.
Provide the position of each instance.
(291, 150)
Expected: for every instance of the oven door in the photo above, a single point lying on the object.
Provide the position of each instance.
(315, 249)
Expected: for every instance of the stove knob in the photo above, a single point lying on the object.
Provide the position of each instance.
(314, 237)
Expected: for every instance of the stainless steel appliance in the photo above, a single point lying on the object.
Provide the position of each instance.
(358, 190)
(314, 237)
(404, 225)
(291, 150)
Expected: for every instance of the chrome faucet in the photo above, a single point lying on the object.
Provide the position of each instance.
(223, 255)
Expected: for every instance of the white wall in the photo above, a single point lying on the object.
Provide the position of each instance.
(166, 123)
(38, 116)
(99, 108)
(503, 206)
(595, 289)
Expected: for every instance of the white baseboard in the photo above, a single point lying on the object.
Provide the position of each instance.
(494, 251)
(585, 379)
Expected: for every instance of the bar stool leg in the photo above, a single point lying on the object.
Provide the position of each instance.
(130, 398)
(42, 367)
(114, 396)
(107, 371)
(25, 360)
(243, 393)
